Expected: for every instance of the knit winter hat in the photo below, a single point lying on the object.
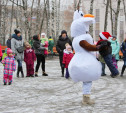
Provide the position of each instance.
(113, 36)
(63, 32)
(68, 47)
(9, 51)
(35, 37)
(16, 31)
(104, 35)
(43, 34)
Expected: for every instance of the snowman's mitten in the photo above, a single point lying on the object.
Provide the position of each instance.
(84, 44)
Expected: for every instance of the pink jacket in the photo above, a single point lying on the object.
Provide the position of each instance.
(46, 46)
(0, 51)
(67, 58)
(29, 56)
(10, 65)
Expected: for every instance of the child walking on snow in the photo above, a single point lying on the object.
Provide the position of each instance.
(9, 67)
(29, 58)
(67, 56)
(106, 52)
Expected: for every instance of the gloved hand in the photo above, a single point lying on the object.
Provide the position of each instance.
(63, 65)
(99, 47)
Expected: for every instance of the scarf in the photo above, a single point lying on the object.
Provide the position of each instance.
(16, 37)
(28, 50)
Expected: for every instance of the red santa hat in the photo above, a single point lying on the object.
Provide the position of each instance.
(104, 35)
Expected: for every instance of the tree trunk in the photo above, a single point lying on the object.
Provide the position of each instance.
(12, 12)
(116, 17)
(106, 16)
(111, 13)
(91, 12)
(53, 21)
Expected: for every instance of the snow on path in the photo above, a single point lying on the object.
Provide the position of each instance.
(54, 94)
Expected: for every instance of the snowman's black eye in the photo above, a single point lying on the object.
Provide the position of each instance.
(81, 14)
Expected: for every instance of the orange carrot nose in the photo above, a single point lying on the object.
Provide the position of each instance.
(89, 15)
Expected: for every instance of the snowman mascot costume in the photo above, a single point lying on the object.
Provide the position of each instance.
(84, 66)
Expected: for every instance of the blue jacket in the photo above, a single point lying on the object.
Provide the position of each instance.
(115, 48)
(123, 49)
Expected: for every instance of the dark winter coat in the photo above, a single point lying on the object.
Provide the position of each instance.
(61, 44)
(123, 49)
(105, 48)
(8, 43)
(38, 47)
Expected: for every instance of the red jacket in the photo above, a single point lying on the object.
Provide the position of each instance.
(67, 58)
(29, 56)
(0, 51)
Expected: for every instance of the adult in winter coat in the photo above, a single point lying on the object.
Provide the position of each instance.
(63, 39)
(8, 43)
(16, 43)
(123, 49)
(115, 47)
(39, 51)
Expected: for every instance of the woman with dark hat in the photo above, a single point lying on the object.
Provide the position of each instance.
(18, 49)
(39, 51)
(63, 39)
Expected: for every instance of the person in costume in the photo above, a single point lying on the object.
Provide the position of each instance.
(106, 52)
(84, 66)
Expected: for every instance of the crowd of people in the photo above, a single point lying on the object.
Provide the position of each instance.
(80, 67)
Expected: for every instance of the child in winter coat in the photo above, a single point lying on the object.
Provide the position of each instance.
(29, 58)
(0, 53)
(9, 67)
(106, 52)
(44, 41)
(67, 56)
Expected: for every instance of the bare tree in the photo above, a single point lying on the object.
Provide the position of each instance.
(12, 12)
(91, 12)
(106, 16)
(116, 17)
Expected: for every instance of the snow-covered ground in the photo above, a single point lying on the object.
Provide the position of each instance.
(54, 94)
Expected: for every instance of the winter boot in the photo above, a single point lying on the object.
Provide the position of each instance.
(62, 72)
(31, 75)
(9, 83)
(44, 74)
(18, 70)
(22, 73)
(123, 69)
(5, 83)
(87, 100)
(36, 74)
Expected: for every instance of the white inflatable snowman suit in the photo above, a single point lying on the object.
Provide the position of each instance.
(84, 66)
